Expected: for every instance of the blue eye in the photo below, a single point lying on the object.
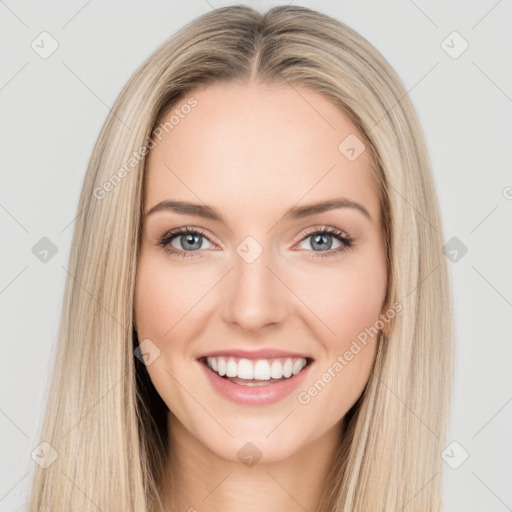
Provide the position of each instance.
(322, 238)
(190, 239)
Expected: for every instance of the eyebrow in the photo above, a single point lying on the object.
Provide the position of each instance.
(294, 213)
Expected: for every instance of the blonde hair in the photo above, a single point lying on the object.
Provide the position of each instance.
(103, 416)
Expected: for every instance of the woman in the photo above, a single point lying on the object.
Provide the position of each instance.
(298, 355)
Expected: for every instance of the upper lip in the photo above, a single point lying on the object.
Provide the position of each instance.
(265, 353)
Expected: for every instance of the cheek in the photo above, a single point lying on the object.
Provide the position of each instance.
(346, 300)
(163, 296)
(357, 306)
(350, 308)
(162, 299)
(152, 300)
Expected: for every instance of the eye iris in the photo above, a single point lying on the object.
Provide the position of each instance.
(317, 239)
(189, 238)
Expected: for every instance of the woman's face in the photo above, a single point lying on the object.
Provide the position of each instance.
(264, 277)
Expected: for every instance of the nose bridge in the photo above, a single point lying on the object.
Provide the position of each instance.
(255, 296)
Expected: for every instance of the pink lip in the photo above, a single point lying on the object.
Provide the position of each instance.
(268, 353)
(254, 395)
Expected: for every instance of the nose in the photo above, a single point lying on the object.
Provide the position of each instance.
(255, 295)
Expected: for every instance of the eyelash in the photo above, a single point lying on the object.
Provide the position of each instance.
(346, 241)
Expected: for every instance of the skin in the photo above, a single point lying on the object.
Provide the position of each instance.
(253, 151)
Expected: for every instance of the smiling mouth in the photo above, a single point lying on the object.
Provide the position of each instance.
(261, 372)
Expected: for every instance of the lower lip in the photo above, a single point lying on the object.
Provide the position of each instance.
(254, 395)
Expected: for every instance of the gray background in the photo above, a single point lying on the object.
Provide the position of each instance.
(51, 113)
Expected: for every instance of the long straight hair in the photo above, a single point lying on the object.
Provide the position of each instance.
(105, 420)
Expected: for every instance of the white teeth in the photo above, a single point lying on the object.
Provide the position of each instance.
(245, 369)
(231, 368)
(221, 365)
(276, 371)
(297, 366)
(287, 368)
(261, 369)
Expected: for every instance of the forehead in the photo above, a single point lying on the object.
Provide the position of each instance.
(257, 149)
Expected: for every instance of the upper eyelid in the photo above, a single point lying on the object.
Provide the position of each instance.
(172, 233)
(331, 230)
